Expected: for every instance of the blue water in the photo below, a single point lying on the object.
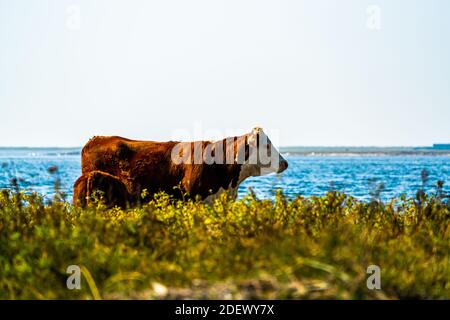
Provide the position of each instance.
(306, 175)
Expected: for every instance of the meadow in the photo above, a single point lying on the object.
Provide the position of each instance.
(284, 248)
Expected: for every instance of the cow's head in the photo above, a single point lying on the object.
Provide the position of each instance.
(258, 156)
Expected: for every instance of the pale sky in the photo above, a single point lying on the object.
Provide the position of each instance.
(318, 72)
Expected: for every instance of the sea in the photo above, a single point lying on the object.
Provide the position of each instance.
(382, 174)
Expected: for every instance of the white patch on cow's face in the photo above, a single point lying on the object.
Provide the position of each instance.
(263, 158)
(263, 154)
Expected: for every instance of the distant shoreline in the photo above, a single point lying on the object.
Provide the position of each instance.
(364, 154)
(293, 151)
(365, 151)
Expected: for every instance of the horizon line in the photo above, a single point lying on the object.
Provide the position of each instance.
(284, 146)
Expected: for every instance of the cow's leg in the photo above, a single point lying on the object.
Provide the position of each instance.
(113, 191)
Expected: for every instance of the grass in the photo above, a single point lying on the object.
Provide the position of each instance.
(302, 248)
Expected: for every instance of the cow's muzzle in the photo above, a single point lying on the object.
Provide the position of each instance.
(282, 166)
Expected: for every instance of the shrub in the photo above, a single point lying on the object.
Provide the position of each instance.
(317, 247)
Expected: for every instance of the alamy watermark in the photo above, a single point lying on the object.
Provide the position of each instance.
(374, 280)
(74, 280)
(254, 148)
(373, 21)
(73, 17)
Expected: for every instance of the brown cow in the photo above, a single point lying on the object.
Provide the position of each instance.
(115, 193)
(122, 169)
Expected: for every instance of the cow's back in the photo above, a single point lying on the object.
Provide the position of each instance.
(138, 164)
